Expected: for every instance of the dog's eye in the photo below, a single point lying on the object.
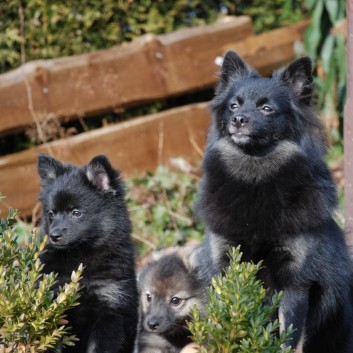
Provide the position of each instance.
(267, 109)
(175, 301)
(50, 214)
(76, 213)
(233, 106)
(148, 297)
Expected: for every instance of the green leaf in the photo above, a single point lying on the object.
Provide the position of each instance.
(327, 53)
(12, 213)
(332, 7)
(341, 63)
(313, 34)
(311, 3)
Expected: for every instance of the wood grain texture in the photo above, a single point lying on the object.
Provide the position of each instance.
(134, 146)
(150, 68)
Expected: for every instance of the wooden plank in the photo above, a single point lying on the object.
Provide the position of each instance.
(152, 67)
(134, 146)
(269, 50)
(348, 130)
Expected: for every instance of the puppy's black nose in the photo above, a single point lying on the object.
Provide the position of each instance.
(55, 236)
(153, 324)
(239, 120)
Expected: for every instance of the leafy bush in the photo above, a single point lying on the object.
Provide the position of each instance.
(47, 29)
(160, 207)
(268, 15)
(40, 29)
(237, 318)
(31, 318)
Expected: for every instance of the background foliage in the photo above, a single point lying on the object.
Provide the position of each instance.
(268, 15)
(41, 29)
(32, 318)
(160, 206)
(237, 317)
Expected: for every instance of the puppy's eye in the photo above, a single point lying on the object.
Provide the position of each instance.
(76, 213)
(175, 301)
(148, 297)
(267, 109)
(233, 106)
(50, 214)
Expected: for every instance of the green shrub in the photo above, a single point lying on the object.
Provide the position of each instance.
(32, 318)
(237, 318)
(41, 29)
(267, 15)
(48, 29)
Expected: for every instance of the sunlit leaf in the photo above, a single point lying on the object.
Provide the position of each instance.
(332, 7)
(327, 52)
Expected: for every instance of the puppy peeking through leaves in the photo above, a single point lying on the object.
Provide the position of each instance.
(170, 285)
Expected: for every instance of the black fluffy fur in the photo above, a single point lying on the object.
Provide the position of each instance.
(86, 220)
(266, 186)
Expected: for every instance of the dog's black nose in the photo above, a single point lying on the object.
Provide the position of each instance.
(153, 324)
(239, 120)
(55, 236)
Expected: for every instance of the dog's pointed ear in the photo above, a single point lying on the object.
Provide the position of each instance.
(48, 168)
(232, 66)
(298, 76)
(101, 174)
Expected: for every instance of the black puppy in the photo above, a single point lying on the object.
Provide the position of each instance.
(86, 220)
(266, 187)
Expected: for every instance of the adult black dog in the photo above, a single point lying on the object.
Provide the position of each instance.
(266, 187)
(86, 220)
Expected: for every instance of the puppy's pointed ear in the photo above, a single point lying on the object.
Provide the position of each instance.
(101, 174)
(48, 168)
(232, 66)
(188, 254)
(298, 76)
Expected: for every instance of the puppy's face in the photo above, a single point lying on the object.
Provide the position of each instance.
(168, 292)
(68, 218)
(80, 204)
(166, 315)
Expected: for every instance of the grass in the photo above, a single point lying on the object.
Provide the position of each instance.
(161, 209)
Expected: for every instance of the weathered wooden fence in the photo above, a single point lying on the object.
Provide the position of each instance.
(148, 69)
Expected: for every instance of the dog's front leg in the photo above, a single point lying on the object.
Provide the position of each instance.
(293, 311)
(112, 334)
